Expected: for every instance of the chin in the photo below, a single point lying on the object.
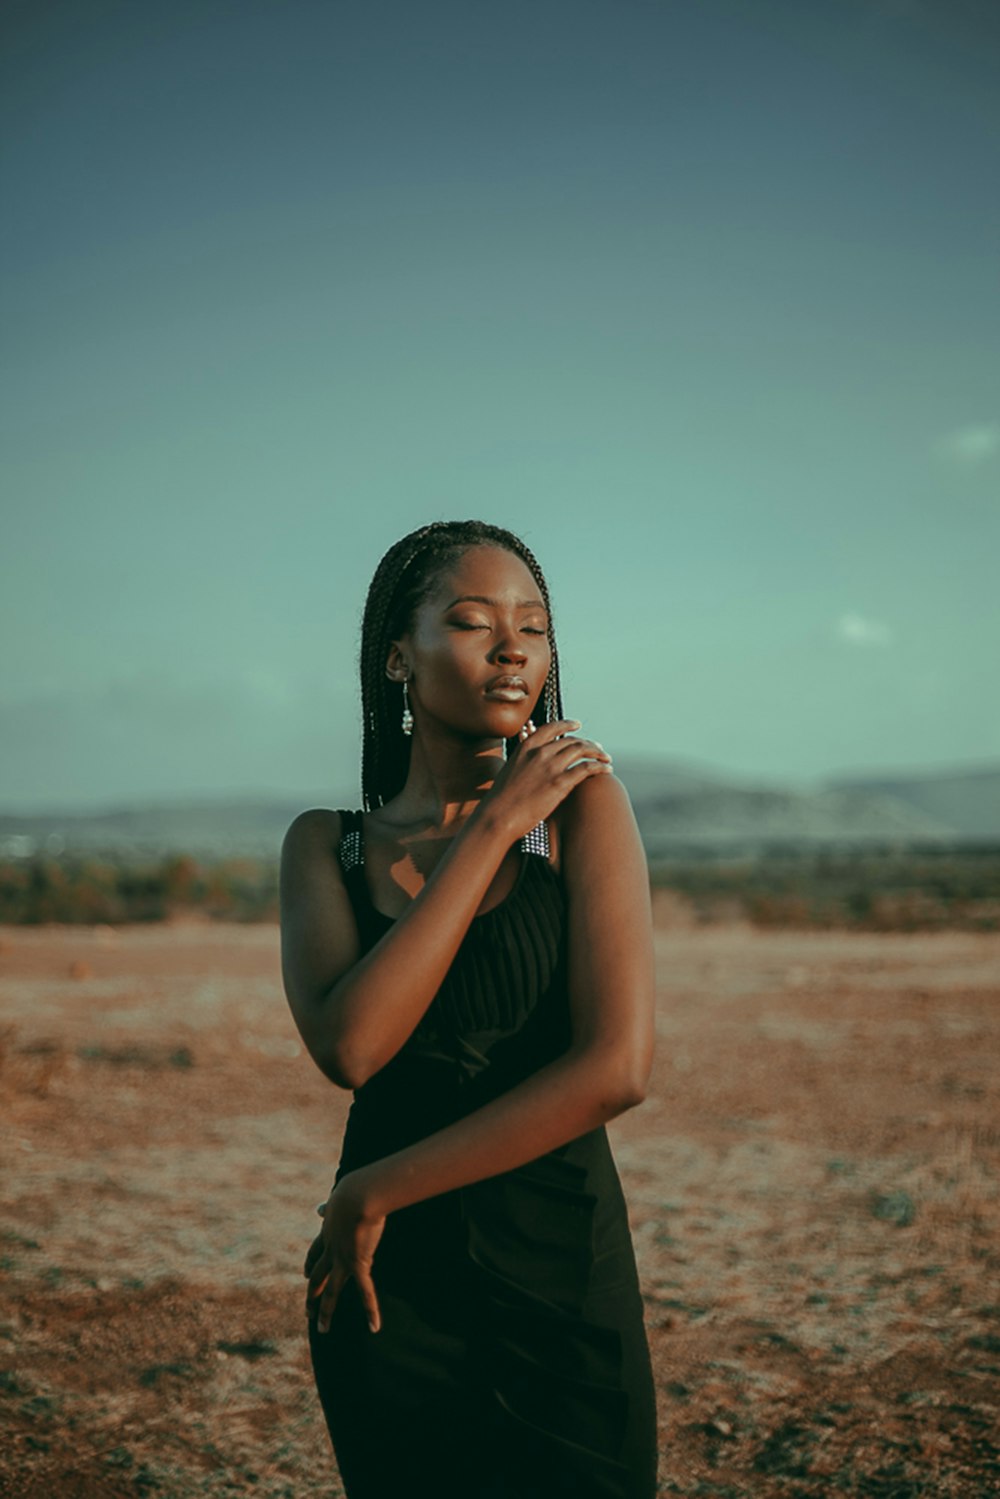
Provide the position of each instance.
(505, 725)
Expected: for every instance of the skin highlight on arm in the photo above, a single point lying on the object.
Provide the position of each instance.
(356, 1021)
(606, 1069)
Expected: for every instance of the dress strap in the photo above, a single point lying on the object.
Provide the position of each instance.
(351, 851)
(536, 841)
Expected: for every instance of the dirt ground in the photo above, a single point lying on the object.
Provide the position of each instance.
(812, 1184)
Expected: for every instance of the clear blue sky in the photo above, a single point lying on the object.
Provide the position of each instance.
(701, 298)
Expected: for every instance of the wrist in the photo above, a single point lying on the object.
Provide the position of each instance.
(360, 1189)
(490, 827)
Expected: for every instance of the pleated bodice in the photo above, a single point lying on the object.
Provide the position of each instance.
(500, 1014)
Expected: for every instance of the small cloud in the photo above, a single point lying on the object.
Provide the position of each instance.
(971, 445)
(857, 630)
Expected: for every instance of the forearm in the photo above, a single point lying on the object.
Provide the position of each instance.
(567, 1098)
(375, 1007)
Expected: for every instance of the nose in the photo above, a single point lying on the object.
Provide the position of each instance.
(510, 651)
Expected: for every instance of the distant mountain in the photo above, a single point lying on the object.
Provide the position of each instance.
(747, 818)
(967, 801)
(208, 828)
(683, 807)
(680, 807)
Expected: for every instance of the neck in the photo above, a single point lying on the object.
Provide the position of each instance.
(447, 779)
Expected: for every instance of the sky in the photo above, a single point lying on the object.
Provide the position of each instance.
(700, 297)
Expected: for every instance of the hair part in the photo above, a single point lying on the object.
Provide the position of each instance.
(404, 578)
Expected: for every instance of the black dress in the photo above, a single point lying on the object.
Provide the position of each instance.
(512, 1360)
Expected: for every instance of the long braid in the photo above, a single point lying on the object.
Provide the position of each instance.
(382, 751)
(403, 578)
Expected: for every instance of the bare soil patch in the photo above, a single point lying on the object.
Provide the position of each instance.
(812, 1183)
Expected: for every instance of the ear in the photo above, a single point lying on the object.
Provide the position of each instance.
(396, 668)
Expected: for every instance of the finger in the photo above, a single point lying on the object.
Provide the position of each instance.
(312, 1255)
(321, 1273)
(328, 1300)
(583, 769)
(366, 1289)
(545, 732)
(327, 1278)
(572, 749)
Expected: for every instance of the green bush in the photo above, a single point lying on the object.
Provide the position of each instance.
(872, 889)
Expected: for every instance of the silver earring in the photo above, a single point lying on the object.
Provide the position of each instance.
(407, 724)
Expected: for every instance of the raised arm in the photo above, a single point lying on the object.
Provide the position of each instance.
(355, 1011)
(604, 1072)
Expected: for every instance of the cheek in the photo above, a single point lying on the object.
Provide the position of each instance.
(451, 660)
(543, 658)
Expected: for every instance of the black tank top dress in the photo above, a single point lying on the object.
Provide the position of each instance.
(512, 1360)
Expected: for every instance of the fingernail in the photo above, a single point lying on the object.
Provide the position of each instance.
(371, 1326)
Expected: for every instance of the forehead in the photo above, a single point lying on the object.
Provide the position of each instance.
(489, 571)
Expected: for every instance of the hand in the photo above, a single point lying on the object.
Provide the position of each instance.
(541, 773)
(344, 1246)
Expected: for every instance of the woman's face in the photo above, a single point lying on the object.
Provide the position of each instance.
(477, 654)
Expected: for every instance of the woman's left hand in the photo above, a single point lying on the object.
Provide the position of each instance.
(344, 1246)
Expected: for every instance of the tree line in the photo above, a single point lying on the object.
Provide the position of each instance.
(889, 889)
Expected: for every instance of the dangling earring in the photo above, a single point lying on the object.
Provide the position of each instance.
(407, 724)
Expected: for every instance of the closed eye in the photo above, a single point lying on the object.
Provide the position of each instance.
(466, 624)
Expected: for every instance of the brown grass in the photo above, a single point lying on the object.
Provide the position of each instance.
(813, 1189)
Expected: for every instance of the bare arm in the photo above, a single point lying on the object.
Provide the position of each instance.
(604, 1072)
(355, 1011)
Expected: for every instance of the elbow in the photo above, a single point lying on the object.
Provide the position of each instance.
(343, 1070)
(637, 1070)
(631, 1094)
(632, 1081)
(336, 1054)
(337, 1075)
(329, 1042)
(638, 1095)
(617, 1083)
(338, 1064)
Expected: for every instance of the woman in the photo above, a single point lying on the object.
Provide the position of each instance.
(472, 955)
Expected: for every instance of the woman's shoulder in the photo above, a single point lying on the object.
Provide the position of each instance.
(598, 810)
(319, 828)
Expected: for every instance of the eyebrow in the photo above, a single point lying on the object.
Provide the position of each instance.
(479, 598)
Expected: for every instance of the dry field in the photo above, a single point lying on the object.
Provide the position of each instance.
(813, 1189)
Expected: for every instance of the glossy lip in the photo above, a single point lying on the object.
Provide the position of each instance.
(507, 683)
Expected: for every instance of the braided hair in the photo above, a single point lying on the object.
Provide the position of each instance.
(403, 579)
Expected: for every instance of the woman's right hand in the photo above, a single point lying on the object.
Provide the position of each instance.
(541, 773)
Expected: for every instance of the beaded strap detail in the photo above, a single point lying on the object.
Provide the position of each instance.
(350, 850)
(537, 840)
(352, 853)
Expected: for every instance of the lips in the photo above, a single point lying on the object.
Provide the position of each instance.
(510, 688)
